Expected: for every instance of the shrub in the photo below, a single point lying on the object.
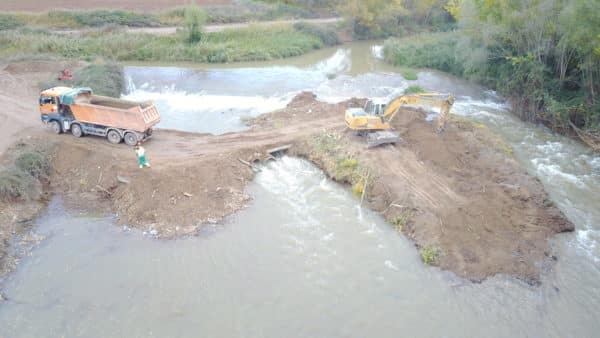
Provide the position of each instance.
(34, 163)
(430, 255)
(327, 35)
(195, 18)
(15, 184)
(409, 75)
(402, 220)
(414, 89)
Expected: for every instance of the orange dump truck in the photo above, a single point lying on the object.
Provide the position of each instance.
(79, 111)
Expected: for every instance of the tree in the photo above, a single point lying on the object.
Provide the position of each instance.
(195, 18)
(370, 15)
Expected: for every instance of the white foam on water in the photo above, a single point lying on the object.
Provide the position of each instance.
(182, 101)
(588, 240)
(545, 167)
(388, 264)
(377, 52)
(338, 63)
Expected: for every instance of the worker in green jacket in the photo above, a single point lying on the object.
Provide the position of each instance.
(141, 155)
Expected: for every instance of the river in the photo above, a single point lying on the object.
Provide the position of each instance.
(303, 260)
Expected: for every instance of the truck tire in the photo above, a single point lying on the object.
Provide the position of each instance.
(55, 127)
(130, 139)
(76, 130)
(113, 136)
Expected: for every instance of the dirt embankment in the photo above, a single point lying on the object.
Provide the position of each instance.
(459, 195)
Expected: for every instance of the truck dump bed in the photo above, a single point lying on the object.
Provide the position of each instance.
(111, 112)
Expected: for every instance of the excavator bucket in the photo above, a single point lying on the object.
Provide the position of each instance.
(378, 138)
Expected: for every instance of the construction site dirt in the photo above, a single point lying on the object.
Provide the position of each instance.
(459, 193)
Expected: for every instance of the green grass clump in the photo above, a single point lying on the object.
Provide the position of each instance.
(340, 165)
(409, 74)
(402, 220)
(33, 163)
(8, 21)
(430, 255)
(17, 184)
(104, 79)
(413, 90)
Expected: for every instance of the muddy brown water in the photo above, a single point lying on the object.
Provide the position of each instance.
(304, 260)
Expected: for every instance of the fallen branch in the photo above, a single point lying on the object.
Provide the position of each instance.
(103, 190)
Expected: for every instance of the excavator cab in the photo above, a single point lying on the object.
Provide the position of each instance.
(375, 108)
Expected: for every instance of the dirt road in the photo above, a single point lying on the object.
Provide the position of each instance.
(461, 194)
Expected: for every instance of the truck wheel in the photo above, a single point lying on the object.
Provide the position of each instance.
(76, 130)
(130, 139)
(113, 136)
(55, 127)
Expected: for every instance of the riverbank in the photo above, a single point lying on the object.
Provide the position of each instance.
(535, 93)
(460, 196)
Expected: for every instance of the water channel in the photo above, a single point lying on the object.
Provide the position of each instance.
(303, 260)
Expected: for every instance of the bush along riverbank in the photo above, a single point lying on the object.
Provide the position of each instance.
(24, 186)
(249, 44)
(547, 65)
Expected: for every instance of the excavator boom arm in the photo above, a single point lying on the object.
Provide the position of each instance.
(444, 101)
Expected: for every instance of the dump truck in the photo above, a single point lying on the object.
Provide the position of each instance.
(81, 112)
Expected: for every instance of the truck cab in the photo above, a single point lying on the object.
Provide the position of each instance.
(51, 110)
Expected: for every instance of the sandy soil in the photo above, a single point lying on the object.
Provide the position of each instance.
(36, 6)
(466, 196)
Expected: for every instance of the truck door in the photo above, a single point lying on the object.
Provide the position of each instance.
(48, 105)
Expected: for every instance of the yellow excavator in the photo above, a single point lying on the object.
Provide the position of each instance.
(375, 118)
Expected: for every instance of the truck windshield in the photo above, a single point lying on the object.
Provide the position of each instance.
(47, 100)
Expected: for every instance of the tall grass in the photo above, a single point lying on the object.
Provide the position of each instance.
(248, 44)
(8, 21)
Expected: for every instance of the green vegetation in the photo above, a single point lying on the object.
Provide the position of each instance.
(430, 255)
(541, 54)
(409, 74)
(248, 44)
(401, 220)
(195, 18)
(107, 79)
(437, 50)
(8, 21)
(34, 163)
(22, 180)
(103, 17)
(327, 35)
(384, 18)
(241, 11)
(414, 89)
(343, 167)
